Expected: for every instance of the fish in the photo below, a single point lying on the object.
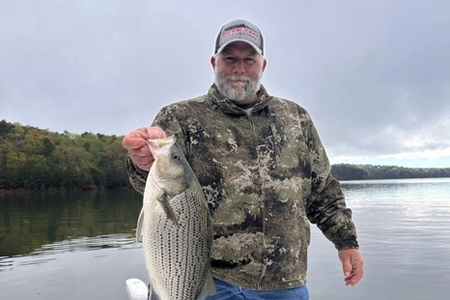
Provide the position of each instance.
(175, 227)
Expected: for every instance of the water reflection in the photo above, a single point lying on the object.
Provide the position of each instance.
(83, 243)
(49, 252)
(422, 199)
(404, 235)
(33, 222)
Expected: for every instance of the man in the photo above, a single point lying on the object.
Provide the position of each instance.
(264, 172)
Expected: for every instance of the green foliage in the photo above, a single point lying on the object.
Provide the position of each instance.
(32, 158)
(360, 172)
(348, 172)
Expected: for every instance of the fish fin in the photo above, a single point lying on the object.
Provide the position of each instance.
(209, 287)
(140, 224)
(151, 294)
(167, 208)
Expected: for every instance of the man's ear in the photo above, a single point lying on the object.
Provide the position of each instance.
(213, 62)
(264, 64)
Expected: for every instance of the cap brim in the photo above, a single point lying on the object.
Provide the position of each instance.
(239, 40)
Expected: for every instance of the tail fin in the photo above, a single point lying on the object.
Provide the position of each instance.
(151, 294)
(209, 287)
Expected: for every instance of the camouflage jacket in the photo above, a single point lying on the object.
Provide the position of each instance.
(265, 175)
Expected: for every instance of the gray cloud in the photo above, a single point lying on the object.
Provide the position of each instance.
(375, 76)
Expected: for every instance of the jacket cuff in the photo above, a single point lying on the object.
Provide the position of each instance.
(347, 244)
(136, 176)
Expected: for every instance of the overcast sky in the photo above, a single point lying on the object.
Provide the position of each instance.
(374, 74)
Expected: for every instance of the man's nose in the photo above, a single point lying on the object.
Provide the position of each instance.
(239, 67)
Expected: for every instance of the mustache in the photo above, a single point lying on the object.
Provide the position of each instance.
(237, 78)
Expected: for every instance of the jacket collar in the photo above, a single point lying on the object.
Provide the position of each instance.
(228, 107)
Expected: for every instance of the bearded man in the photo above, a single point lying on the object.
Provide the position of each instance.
(264, 171)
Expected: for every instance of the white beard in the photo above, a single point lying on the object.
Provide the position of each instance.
(250, 86)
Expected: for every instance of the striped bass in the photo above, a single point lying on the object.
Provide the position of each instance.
(175, 227)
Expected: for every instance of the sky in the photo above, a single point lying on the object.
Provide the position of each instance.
(373, 74)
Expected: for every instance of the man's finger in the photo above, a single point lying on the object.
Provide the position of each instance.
(133, 143)
(154, 133)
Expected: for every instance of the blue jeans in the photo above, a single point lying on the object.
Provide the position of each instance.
(227, 291)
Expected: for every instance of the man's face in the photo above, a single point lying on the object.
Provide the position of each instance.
(238, 71)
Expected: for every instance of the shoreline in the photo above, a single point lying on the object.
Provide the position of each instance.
(56, 190)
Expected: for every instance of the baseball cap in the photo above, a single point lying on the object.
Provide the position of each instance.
(240, 30)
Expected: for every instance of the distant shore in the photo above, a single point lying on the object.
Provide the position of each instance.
(370, 172)
(33, 159)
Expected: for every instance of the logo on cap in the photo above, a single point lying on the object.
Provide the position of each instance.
(240, 30)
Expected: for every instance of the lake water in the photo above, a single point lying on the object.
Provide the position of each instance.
(80, 246)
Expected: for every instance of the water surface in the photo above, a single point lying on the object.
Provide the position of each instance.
(81, 245)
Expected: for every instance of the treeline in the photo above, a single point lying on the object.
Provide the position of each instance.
(361, 172)
(32, 158)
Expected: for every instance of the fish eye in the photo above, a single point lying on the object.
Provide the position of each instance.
(176, 157)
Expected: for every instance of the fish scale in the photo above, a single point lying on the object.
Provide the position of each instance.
(170, 261)
(176, 252)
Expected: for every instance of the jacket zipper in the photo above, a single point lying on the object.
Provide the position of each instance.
(262, 204)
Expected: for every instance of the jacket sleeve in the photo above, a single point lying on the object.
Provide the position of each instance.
(136, 176)
(167, 121)
(326, 205)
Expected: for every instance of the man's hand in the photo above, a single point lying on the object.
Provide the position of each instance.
(136, 143)
(352, 263)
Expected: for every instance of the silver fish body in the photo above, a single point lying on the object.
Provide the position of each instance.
(175, 227)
